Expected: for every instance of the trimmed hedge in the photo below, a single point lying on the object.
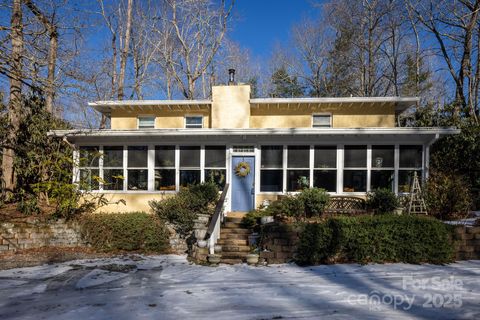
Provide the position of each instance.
(132, 231)
(387, 238)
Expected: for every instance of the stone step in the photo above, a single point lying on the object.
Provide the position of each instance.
(232, 261)
(234, 255)
(228, 235)
(235, 230)
(235, 242)
(234, 220)
(226, 248)
(232, 225)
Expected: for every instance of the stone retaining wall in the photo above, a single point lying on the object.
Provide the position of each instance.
(280, 242)
(467, 242)
(32, 233)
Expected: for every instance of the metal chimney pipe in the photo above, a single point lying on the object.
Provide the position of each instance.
(231, 77)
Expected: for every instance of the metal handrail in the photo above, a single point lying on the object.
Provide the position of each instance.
(213, 231)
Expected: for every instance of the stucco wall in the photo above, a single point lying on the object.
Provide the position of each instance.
(230, 106)
(133, 201)
(165, 118)
(354, 116)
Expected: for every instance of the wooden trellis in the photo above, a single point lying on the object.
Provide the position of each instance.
(416, 204)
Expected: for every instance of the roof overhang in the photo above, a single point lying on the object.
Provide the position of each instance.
(149, 105)
(420, 135)
(401, 103)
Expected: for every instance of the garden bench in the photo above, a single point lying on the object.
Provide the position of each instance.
(346, 205)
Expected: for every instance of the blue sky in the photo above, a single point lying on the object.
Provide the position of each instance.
(259, 24)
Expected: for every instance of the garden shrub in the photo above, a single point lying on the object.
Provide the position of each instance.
(252, 218)
(384, 238)
(182, 209)
(382, 201)
(314, 201)
(447, 196)
(289, 205)
(133, 231)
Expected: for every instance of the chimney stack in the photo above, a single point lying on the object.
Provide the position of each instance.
(231, 77)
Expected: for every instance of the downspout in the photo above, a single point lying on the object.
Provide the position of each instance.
(427, 154)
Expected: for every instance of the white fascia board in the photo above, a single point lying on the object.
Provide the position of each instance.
(107, 106)
(254, 132)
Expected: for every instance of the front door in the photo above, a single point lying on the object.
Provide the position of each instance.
(243, 187)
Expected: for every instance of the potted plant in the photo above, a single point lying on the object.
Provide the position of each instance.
(214, 259)
(252, 258)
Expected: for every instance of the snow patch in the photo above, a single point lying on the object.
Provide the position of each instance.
(98, 277)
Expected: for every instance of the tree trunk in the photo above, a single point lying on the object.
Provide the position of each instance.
(15, 103)
(124, 54)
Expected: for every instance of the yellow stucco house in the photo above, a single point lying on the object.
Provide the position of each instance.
(347, 146)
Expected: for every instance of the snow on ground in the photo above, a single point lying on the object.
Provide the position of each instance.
(169, 287)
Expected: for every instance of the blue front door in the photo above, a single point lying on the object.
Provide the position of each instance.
(243, 188)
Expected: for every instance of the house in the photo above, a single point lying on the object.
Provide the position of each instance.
(262, 147)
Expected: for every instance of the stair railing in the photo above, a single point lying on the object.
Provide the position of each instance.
(213, 231)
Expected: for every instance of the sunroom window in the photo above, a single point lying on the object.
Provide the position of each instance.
(113, 168)
(137, 168)
(325, 168)
(215, 165)
(382, 174)
(410, 162)
(298, 163)
(89, 168)
(165, 168)
(194, 122)
(321, 120)
(355, 169)
(271, 170)
(147, 122)
(189, 165)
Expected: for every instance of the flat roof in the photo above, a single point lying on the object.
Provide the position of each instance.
(401, 103)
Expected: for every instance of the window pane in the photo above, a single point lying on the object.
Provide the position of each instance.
(138, 179)
(215, 156)
(164, 156)
(146, 122)
(411, 156)
(113, 156)
(297, 179)
(382, 179)
(325, 157)
(113, 179)
(89, 156)
(165, 179)
(89, 179)
(325, 179)
(190, 157)
(271, 180)
(298, 157)
(405, 179)
(194, 122)
(321, 120)
(272, 156)
(189, 177)
(137, 156)
(216, 176)
(355, 181)
(355, 156)
(383, 156)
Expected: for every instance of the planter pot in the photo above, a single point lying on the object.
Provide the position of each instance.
(252, 258)
(200, 233)
(214, 258)
(253, 239)
(398, 211)
(266, 219)
(201, 243)
(217, 248)
(203, 218)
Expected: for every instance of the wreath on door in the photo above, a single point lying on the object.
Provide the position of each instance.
(242, 169)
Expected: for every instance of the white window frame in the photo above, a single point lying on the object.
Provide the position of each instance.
(366, 168)
(78, 173)
(146, 116)
(323, 114)
(421, 168)
(192, 116)
(127, 168)
(372, 168)
(204, 168)
(282, 168)
(174, 167)
(313, 168)
(287, 167)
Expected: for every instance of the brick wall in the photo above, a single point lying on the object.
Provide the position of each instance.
(32, 233)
